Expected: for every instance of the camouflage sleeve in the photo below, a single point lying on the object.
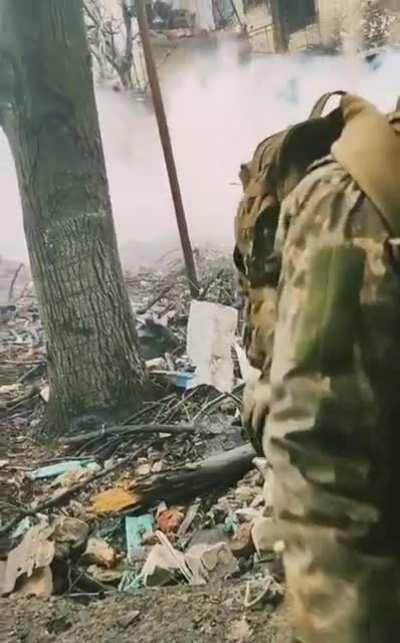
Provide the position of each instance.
(332, 436)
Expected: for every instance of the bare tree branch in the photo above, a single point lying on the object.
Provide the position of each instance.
(13, 280)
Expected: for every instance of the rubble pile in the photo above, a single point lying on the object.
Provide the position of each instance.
(173, 495)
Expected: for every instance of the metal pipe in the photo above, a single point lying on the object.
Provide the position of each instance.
(167, 148)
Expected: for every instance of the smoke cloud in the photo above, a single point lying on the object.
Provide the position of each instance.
(220, 104)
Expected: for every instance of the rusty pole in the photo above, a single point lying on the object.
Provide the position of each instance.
(167, 148)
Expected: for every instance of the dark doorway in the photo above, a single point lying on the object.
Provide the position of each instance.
(297, 14)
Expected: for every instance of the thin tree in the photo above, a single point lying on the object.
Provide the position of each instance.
(48, 112)
(111, 41)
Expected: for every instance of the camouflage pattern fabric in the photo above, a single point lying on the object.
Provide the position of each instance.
(332, 434)
(266, 180)
(255, 227)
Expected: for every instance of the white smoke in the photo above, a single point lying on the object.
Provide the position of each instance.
(219, 107)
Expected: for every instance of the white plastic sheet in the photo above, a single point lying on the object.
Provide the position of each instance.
(210, 338)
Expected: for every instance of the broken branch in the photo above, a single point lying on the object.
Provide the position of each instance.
(156, 299)
(193, 480)
(129, 429)
(13, 280)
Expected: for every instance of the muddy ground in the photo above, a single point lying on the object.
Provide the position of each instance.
(174, 615)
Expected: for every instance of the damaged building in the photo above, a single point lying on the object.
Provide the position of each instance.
(335, 24)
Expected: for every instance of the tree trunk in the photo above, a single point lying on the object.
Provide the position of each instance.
(48, 112)
(126, 67)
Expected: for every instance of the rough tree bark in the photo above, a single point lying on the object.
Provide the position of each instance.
(48, 112)
(127, 59)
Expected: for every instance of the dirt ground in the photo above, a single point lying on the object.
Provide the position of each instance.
(174, 615)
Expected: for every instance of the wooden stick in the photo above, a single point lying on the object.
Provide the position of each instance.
(128, 429)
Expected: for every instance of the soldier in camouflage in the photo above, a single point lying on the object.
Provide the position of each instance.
(331, 405)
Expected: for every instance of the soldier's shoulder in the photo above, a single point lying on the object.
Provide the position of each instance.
(324, 174)
(325, 167)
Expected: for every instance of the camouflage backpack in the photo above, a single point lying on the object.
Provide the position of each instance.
(278, 164)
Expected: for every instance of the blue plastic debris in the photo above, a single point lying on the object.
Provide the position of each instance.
(53, 470)
(135, 528)
(183, 379)
(130, 582)
(230, 524)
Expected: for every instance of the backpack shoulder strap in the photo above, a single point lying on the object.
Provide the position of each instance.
(322, 102)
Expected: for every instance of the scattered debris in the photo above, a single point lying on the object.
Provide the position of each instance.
(53, 470)
(155, 338)
(112, 501)
(165, 565)
(271, 591)
(129, 618)
(157, 364)
(169, 520)
(197, 478)
(70, 534)
(23, 527)
(69, 479)
(135, 528)
(34, 552)
(100, 553)
(184, 380)
(188, 519)
(39, 584)
(162, 567)
(171, 460)
(131, 582)
(212, 560)
(102, 575)
(242, 544)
